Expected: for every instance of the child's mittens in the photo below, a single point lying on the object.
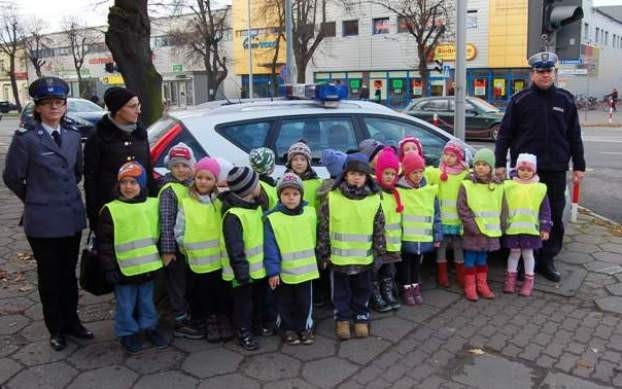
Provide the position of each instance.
(167, 258)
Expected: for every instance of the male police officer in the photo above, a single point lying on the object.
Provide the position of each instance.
(43, 168)
(543, 120)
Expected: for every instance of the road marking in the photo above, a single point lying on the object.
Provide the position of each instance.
(611, 152)
(601, 140)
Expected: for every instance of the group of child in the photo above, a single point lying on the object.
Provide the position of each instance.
(244, 254)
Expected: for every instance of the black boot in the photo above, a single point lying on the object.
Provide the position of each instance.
(547, 268)
(212, 332)
(247, 340)
(386, 290)
(377, 302)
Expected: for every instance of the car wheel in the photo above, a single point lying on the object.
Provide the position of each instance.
(494, 132)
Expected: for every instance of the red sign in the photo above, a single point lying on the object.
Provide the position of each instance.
(21, 75)
(100, 60)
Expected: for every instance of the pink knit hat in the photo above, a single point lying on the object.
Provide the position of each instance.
(209, 164)
(410, 139)
(454, 147)
(388, 160)
(412, 162)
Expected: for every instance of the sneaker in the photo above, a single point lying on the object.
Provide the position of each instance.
(185, 329)
(291, 338)
(246, 340)
(156, 338)
(306, 337)
(131, 344)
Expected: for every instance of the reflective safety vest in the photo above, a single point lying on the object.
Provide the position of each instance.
(351, 227)
(311, 187)
(448, 199)
(136, 233)
(295, 236)
(252, 235)
(418, 217)
(432, 175)
(181, 190)
(201, 241)
(270, 193)
(486, 206)
(524, 202)
(393, 223)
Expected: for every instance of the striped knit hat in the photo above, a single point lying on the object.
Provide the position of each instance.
(242, 180)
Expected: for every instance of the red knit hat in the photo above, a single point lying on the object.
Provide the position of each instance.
(388, 160)
(411, 139)
(412, 162)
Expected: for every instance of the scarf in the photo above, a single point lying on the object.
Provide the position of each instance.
(453, 170)
(531, 180)
(123, 127)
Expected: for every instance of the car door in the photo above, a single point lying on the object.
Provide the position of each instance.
(472, 120)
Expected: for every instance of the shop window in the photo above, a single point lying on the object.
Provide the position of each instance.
(402, 24)
(380, 26)
(329, 29)
(246, 136)
(334, 132)
(597, 35)
(498, 89)
(350, 27)
(586, 31)
(471, 19)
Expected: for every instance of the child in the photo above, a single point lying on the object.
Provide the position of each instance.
(179, 160)
(480, 206)
(452, 170)
(421, 225)
(371, 147)
(127, 233)
(412, 144)
(242, 262)
(383, 277)
(262, 161)
(198, 232)
(299, 162)
(289, 236)
(350, 236)
(225, 168)
(529, 221)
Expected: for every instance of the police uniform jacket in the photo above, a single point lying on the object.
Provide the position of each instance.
(105, 152)
(45, 177)
(544, 123)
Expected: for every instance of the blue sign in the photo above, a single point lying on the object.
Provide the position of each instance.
(572, 61)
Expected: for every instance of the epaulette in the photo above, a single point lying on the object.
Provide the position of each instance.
(21, 131)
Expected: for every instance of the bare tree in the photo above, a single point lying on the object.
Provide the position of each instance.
(308, 34)
(203, 37)
(11, 40)
(277, 9)
(128, 35)
(79, 39)
(34, 43)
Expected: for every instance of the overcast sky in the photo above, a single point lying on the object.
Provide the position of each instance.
(95, 12)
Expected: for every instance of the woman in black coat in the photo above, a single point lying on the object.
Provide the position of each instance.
(119, 138)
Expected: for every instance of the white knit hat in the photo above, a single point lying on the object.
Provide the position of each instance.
(527, 160)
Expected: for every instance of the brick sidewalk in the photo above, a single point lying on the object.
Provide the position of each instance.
(548, 341)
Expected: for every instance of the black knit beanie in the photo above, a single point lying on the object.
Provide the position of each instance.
(116, 97)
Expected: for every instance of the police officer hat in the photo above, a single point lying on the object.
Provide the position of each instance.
(543, 60)
(48, 87)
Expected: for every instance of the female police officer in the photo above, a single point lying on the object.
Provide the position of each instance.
(43, 168)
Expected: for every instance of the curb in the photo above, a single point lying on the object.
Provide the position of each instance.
(598, 216)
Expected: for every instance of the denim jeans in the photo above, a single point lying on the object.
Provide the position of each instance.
(135, 309)
(475, 258)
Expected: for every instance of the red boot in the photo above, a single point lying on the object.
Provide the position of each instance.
(441, 274)
(509, 285)
(527, 287)
(482, 282)
(460, 274)
(469, 284)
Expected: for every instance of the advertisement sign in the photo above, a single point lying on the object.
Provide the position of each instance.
(417, 87)
(479, 87)
(447, 52)
(355, 85)
(397, 85)
(378, 91)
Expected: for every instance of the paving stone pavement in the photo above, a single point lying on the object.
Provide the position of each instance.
(565, 336)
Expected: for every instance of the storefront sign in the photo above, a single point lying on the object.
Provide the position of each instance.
(397, 86)
(113, 79)
(178, 67)
(479, 87)
(498, 87)
(447, 52)
(259, 44)
(355, 85)
(100, 60)
(417, 87)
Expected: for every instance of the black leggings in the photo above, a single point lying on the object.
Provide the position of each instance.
(408, 269)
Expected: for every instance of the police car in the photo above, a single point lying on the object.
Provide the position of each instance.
(316, 113)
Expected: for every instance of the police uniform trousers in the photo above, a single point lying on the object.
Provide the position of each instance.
(58, 288)
(555, 182)
(294, 304)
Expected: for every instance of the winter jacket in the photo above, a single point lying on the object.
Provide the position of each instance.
(169, 206)
(423, 247)
(272, 254)
(322, 192)
(180, 221)
(105, 151)
(323, 233)
(473, 239)
(233, 235)
(105, 248)
(544, 123)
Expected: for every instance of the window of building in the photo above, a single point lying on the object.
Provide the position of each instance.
(402, 24)
(606, 38)
(350, 27)
(586, 31)
(329, 29)
(597, 35)
(471, 19)
(380, 26)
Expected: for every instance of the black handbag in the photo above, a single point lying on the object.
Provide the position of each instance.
(92, 276)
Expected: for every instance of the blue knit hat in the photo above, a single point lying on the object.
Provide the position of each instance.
(133, 169)
(334, 160)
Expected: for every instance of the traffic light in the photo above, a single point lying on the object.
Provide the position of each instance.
(553, 26)
(557, 14)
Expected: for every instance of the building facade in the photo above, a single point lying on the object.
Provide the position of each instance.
(21, 76)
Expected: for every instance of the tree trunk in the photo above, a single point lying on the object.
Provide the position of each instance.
(301, 69)
(79, 82)
(14, 83)
(424, 73)
(275, 58)
(128, 38)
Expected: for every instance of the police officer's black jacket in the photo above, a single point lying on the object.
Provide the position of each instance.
(544, 123)
(105, 151)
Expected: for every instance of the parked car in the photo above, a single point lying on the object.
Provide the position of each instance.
(230, 130)
(80, 112)
(7, 106)
(482, 119)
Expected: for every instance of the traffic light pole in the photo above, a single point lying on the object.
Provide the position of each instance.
(249, 40)
(460, 75)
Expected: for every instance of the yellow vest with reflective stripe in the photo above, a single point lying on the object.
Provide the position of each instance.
(270, 193)
(432, 175)
(201, 242)
(524, 202)
(418, 217)
(136, 233)
(486, 206)
(448, 199)
(351, 227)
(310, 196)
(393, 223)
(181, 190)
(252, 235)
(295, 236)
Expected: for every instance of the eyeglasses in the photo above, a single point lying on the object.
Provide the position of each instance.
(547, 70)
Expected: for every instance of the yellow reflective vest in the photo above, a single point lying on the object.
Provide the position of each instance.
(136, 233)
(418, 217)
(270, 192)
(295, 237)
(524, 202)
(448, 199)
(252, 235)
(311, 187)
(393, 223)
(201, 240)
(181, 190)
(486, 206)
(351, 228)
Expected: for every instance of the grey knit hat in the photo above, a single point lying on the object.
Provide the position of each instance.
(290, 180)
(370, 147)
(242, 180)
(299, 147)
